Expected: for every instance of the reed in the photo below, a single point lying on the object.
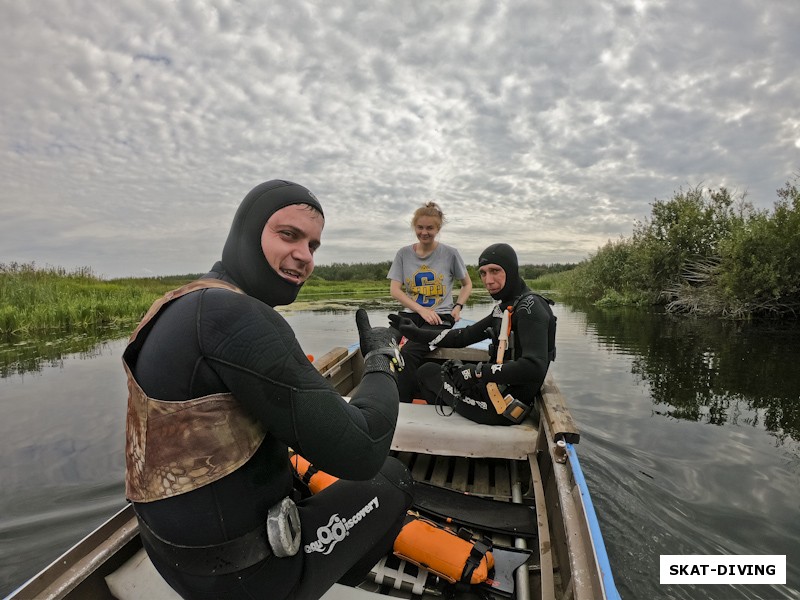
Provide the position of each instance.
(35, 300)
(319, 289)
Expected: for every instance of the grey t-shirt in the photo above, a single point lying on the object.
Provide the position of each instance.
(429, 281)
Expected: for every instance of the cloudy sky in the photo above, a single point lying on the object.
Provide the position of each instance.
(132, 129)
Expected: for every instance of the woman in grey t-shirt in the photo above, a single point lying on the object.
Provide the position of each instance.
(422, 279)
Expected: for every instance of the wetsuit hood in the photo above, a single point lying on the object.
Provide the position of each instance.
(243, 260)
(504, 256)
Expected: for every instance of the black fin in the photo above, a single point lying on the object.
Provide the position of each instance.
(518, 520)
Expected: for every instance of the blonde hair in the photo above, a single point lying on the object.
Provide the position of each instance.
(429, 209)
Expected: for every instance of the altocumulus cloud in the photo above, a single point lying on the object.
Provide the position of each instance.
(130, 131)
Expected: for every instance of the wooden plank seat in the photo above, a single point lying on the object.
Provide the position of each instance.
(420, 428)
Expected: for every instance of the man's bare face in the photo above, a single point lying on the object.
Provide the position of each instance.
(493, 277)
(289, 240)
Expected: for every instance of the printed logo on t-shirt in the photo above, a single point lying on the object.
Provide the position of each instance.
(426, 287)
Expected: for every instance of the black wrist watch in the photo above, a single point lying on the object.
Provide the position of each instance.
(458, 304)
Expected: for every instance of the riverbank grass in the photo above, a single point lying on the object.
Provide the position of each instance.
(35, 300)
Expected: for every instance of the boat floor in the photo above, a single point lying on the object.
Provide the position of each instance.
(487, 477)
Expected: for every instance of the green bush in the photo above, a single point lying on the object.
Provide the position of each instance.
(701, 251)
(686, 228)
(613, 268)
(760, 262)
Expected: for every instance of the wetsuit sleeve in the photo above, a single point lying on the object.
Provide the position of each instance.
(257, 357)
(530, 325)
(462, 337)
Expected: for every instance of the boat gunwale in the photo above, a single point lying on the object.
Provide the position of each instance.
(74, 566)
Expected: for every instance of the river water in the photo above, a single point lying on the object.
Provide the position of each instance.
(689, 442)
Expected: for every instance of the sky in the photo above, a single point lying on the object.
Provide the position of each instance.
(131, 130)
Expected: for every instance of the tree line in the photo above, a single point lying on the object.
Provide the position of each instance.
(378, 271)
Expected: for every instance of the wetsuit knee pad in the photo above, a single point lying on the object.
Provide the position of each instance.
(429, 379)
(429, 369)
(397, 474)
(482, 412)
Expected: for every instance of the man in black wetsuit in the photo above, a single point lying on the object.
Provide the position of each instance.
(219, 389)
(531, 345)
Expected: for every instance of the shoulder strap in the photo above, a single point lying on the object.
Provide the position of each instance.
(198, 284)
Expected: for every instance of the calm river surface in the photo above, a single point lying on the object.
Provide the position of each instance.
(689, 440)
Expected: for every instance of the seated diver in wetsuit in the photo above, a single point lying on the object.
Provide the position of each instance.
(219, 389)
(530, 350)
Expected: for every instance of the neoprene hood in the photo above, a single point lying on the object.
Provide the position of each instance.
(504, 256)
(242, 257)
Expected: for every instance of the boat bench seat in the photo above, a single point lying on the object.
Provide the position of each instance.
(420, 428)
(138, 579)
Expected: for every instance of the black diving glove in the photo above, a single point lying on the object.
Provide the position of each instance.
(379, 347)
(409, 329)
(463, 377)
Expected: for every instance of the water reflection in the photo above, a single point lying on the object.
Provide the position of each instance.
(709, 370)
(34, 353)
